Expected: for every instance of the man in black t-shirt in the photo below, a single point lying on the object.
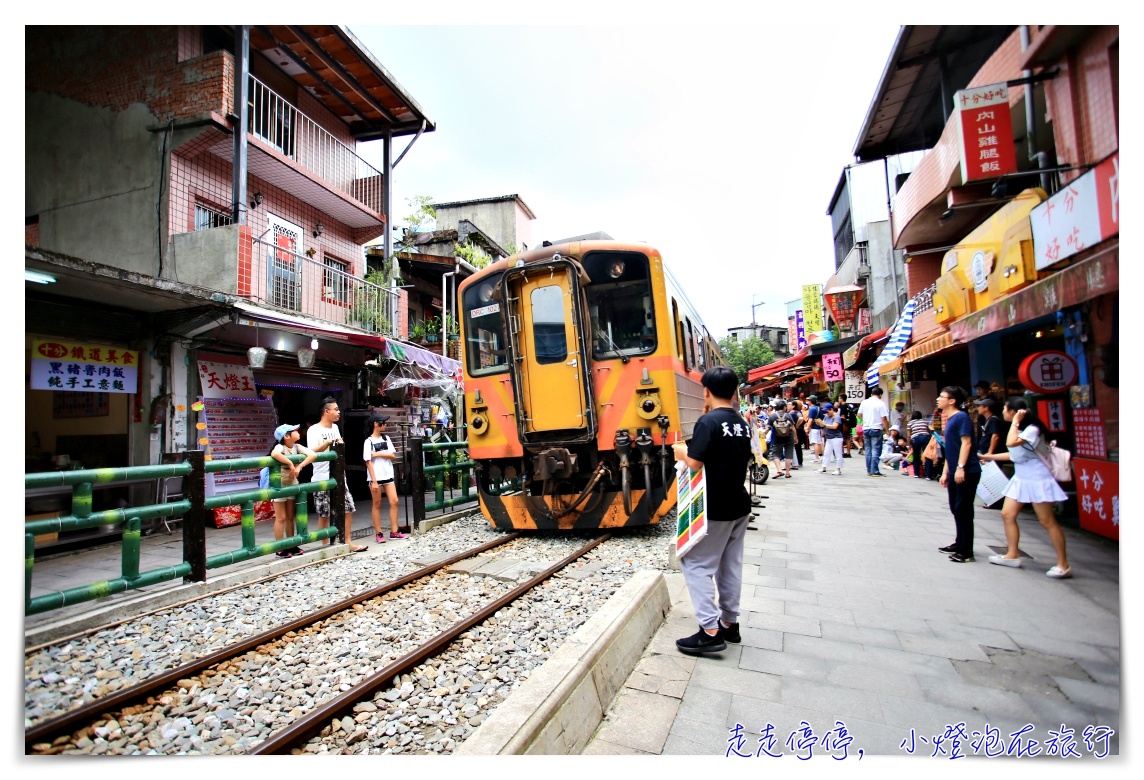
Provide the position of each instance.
(721, 446)
(990, 434)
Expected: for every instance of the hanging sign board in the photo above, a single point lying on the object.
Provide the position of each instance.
(832, 367)
(985, 128)
(1048, 372)
(89, 368)
(855, 387)
(1098, 496)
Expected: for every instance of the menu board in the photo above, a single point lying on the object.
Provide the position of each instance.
(236, 428)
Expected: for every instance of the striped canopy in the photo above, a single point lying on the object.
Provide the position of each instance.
(899, 337)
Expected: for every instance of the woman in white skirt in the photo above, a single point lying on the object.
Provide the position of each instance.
(1032, 483)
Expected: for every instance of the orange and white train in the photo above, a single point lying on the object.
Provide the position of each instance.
(581, 364)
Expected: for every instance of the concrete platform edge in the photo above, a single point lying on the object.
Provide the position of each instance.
(559, 707)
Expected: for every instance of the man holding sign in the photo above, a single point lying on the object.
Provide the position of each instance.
(721, 447)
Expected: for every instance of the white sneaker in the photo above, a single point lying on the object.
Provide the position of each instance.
(1057, 573)
(1001, 560)
(838, 472)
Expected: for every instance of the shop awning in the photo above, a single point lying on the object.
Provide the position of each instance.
(411, 353)
(927, 347)
(309, 327)
(1090, 278)
(773, 369)
(850, 356)
(899, 337)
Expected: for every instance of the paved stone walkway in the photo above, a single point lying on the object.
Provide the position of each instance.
(850, 614)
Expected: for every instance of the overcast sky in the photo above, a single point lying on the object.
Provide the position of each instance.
(720, 145)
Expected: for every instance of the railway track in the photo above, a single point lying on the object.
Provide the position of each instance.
(187, 694)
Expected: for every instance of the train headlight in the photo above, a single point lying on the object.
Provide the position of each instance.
(616, 269)
(479, 425)
(485, 293)
(649, 406)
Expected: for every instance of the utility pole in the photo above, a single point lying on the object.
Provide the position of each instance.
(754, 326)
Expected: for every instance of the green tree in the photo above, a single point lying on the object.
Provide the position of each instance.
(747, 354)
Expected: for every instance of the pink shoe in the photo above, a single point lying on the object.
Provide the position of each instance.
(398, 535)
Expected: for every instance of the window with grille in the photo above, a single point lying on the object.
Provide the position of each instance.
(336, 280)
(207, 217)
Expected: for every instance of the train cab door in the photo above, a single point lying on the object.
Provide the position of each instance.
(549, 355)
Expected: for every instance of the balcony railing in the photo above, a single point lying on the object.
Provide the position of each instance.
(289, 281)
(277, 123)
(924, 299)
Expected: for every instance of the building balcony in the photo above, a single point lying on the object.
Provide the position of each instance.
(229, 259)
(291, 151)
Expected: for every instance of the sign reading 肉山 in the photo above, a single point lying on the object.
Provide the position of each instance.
(986, 131)
(91, 368)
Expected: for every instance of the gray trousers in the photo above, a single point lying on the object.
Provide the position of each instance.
(715, 563)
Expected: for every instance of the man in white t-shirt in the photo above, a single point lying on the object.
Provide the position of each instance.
(320, 437)
(874, 418)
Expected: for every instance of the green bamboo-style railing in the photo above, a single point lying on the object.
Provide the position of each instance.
(193, 510)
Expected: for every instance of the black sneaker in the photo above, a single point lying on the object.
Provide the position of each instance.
(959, 558)
(297, 551)
(730, 633)
(283, 554)
(701, 642)
(947, 550)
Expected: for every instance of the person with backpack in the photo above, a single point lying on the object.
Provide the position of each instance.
(1032, 483)
(287, 437)
(782, 424)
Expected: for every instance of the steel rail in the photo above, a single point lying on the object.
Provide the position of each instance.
(41, 732)
(314, 721)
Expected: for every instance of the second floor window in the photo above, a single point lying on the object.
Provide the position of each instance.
(336, 281)
(206, 217)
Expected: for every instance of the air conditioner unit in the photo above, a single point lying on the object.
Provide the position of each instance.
(860, 233)
(863, 270)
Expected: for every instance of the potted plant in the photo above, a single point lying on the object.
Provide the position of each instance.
(433, 330)
(417, 331)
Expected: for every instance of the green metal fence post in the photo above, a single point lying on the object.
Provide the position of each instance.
(248, 525)
(195, 520)
(29, 562)
(81, 500)
(132, 539)
(417, 478)
(338, 493)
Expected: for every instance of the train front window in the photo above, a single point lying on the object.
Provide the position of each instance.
(619, 303)
(484, 328)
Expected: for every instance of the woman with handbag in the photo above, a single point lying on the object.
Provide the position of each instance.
(1032, 483)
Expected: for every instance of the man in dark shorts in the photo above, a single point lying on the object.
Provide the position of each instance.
(721, 446)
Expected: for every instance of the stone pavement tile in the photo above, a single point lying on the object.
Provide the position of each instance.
(690, 737)
(1065, 648)
(1113, 653)
(750, 601)
(757, 579)
(990, 618)
(845, 632)
(1000, 678)
(974, 699)
(736, 680)
(639, 720)
(865, 677)
(1036, 663)
(784, 555)
(1103, 672)
(599, 747)
(674, 628)
(877, 616)
(873, 739)
(785, 594)
(833, 649)
(754, 715)
(1054, 712)
(784, 623)
(783, 664)
(943, 629)
(662, 674)
(946, 648)
(911, 663)
(925, 717)
(838, 702)
(820, 612)
(1094, 629)
(706, 705)
(761, 637)
(1090, 694)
